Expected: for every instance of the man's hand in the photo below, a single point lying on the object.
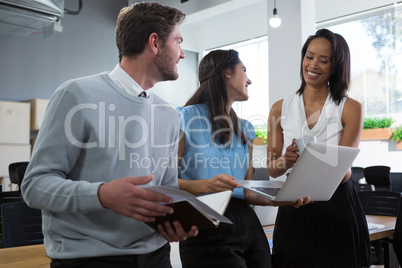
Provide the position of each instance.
(125, 197)
(175, 232)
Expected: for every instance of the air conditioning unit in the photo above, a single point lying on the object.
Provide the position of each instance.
(23, 17)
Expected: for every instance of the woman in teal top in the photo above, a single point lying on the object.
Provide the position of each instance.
(206, 158)
(215, 150)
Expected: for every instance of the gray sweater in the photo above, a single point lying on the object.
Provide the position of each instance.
(94, 132)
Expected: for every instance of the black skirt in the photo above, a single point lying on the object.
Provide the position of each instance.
(323, 234)
(241, 244)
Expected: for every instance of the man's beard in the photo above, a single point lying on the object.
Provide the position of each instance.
(163, 64)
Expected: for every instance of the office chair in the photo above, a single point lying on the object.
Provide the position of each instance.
(379, 176)
(357, 174)
(16, 172)
(382, 203)
(22, 225)
(396, 181)
(7, 197)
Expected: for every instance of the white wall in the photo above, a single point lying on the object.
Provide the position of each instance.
(379, 152)
(284, 46)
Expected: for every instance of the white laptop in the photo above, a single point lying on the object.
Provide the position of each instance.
(317, 173)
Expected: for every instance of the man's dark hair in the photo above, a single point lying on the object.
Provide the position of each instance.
(137, 22)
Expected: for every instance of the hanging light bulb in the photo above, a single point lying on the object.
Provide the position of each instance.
(275, 21)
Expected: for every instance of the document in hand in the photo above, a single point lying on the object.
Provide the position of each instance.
(204, 211)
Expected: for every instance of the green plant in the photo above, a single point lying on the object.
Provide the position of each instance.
(397, 134)
(261, 131)
(375, 122)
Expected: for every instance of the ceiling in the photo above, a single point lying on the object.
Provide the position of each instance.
(203, 12)
(191, 6)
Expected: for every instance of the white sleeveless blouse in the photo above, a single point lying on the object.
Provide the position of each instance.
(328, 129)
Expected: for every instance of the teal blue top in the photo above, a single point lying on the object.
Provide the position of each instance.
(205, 158)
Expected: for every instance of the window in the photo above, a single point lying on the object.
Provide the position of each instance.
(375, 42)
(254, 54)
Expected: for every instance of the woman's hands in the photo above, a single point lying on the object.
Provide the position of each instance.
(220, 183)
(279, 166)
(296, 204)
(256, 199)
(290, 157)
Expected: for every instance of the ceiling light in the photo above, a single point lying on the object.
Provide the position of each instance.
(275, 21)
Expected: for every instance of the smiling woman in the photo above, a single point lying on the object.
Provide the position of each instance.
(214, 152)
(317, 62)
(254, 55)
(322, 109)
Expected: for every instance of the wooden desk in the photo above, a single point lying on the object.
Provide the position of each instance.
(24, 257)
(387, 221)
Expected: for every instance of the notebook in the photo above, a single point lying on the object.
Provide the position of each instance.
(317, 173)
(204, 211)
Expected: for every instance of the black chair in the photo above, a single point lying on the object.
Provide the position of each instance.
(17, 171)
(382, 203)
(379, 176)
(396, 181)
(7, 197)
(22, 225)
(357, 174)
(12, 196)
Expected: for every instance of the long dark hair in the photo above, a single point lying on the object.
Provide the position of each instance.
(340, 62)
(212, 92)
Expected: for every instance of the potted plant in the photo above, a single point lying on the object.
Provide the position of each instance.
(376, 128)
(397, 136)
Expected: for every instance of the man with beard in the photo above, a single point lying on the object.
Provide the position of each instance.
(81, 174)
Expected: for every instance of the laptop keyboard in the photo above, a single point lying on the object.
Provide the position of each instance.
(268, 190)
